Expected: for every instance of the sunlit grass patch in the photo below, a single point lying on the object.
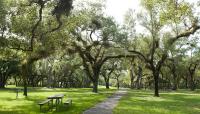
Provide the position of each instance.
(170, 102)
(82, 99)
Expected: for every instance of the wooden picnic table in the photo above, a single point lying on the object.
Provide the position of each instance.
(57, 97)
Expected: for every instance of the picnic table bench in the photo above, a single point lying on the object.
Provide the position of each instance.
(47, 101)
(68, 102)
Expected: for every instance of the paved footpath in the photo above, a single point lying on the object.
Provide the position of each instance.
(107, 106)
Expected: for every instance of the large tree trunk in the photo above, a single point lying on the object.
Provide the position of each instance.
(132, 73)
(16, 83)
(156, 83)
(175, 83)
(132, 78)
(107, 84)
(193, 86)
(192, 73)
(117, 83)
(96, 71)
(26, 72)
(24, 76)
(192, 83)
(2, 81)
(95, 86)
(139, 78)
(2, 85)
(25, 89)
(186, 82)
(106, 79)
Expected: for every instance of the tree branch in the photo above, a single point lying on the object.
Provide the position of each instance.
(188, 32)
(117, 56)
(139, 54)
(41, 3)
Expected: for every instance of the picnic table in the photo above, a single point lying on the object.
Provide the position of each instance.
(57, 97)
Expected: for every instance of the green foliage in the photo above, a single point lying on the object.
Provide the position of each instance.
(71, 42)
(3, 12)
(175, 12)
(9, 67)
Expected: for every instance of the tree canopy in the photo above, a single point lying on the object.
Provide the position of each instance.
(71, 43)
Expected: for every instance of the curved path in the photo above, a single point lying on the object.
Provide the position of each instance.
(107, 106)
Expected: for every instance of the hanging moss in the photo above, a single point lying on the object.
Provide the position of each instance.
(62, 7)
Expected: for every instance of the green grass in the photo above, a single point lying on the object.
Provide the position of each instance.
(82, 100)
(143, 102)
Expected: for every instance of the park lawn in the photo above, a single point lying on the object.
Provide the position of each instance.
(143, 102)
(82, 99)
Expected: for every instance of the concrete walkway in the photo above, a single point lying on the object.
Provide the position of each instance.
(107, 106)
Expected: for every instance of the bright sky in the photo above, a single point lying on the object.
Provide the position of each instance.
(118, 8)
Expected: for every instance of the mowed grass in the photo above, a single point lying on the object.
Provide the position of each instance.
(82, 100)
(143, 102)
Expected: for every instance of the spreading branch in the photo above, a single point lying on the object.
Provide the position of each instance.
(116, 56)
(188, 32)
(139, 54)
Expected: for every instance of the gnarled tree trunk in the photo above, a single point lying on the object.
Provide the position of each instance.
(95, 86)
(24, 75)
(132, 77)
(156, 83)
(107, 84)
(96, 71)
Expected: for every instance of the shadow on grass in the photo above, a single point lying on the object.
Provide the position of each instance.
(10, 112)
